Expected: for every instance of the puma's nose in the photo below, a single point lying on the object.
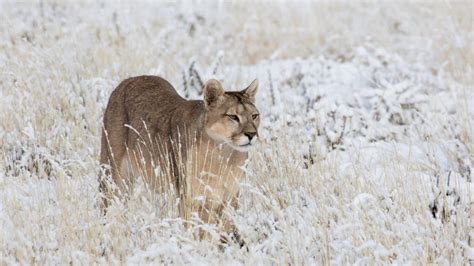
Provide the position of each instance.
(250, 135)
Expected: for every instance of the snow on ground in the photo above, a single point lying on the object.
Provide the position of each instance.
(366, 152)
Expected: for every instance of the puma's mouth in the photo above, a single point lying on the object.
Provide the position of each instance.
(242, 148)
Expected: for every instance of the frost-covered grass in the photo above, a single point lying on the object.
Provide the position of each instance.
(367, 141)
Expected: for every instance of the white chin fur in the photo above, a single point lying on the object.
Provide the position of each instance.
(243, 144)
(241, 141)
(245, 148)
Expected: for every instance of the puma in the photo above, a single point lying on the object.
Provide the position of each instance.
(196, 147)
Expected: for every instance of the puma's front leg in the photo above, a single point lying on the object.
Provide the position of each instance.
(227, 224)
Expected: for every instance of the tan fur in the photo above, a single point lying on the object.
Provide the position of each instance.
(198, 146)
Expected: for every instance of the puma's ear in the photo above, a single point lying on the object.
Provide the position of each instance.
(251, 90)
(213, 94)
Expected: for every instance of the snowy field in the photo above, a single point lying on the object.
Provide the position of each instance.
(367, 141)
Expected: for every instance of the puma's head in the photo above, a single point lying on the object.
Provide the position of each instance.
(232, 117)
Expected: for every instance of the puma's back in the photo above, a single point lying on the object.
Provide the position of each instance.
(134, 111)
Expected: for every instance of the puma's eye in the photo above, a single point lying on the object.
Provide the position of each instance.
(233, 117)
(255, 116)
